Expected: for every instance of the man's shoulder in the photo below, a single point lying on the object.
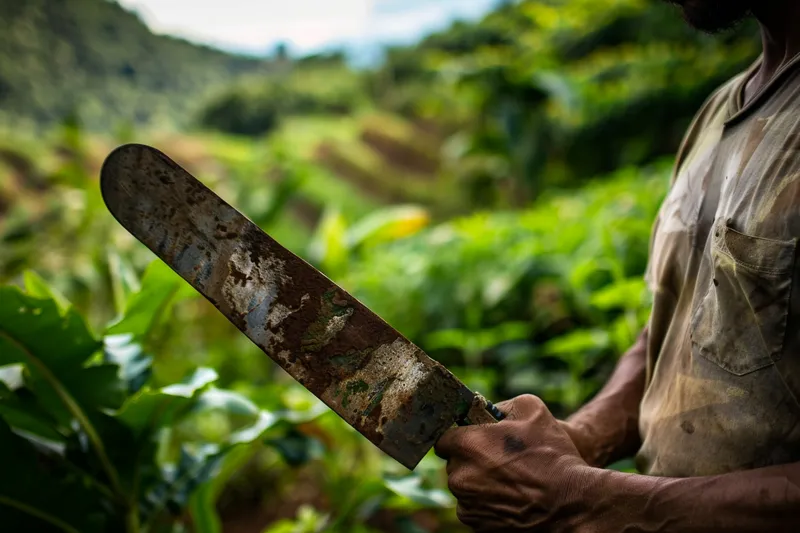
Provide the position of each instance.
(722, 99)
(713, 113)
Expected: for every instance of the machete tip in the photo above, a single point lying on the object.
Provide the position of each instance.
(117, 175)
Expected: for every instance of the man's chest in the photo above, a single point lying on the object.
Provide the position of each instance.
(723, 261)
(736, 194)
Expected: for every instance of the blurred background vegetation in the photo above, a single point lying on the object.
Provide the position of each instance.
(489, 191)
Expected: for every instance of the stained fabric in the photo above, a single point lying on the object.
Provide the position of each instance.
(723, 376)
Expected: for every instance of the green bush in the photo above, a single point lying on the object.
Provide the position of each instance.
(558, 108)
(254, 106)
(241, 113)
(540, 300)
(89, 443)
(92, 440)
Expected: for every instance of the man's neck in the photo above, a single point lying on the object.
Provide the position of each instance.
(780, 37)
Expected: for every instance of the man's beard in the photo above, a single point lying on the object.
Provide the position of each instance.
(713, 16)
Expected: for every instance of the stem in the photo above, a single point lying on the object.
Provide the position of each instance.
(57, 522)
(74, 409)
(132, 518)
(94, 482)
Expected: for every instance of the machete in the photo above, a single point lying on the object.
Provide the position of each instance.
(380, 383)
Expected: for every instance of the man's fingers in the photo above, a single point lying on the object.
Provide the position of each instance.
(469, 442)
(477, 441)
(449, 443)
(522, 407)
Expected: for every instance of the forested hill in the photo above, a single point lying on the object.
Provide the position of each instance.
(96, 58)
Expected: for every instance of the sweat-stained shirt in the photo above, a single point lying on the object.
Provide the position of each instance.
(723, 375)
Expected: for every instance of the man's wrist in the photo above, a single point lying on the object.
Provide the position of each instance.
(578, 503)
(594, 449)
(607, 500)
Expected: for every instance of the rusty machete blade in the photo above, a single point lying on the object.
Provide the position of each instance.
(362, 368)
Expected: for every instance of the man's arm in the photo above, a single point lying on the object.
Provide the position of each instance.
(525, 475)
(607, 428)
(753, 501)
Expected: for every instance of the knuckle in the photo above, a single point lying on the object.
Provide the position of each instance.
(454, 483)
(504, 403)
(532, 400)
(458, 482)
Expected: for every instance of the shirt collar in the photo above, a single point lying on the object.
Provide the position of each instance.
(737, 109)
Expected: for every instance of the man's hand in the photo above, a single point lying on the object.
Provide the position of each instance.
(524, 474)
(521, 474)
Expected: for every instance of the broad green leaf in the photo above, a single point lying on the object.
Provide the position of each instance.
(308, 520)
(410, 487)
(135, 366)
(202, 507)
(225, 417)
(188, 387)
(296, 448)
(180, 481)
(92, 387)
(149, 410)
(329, 247)
(626, 294)
(578, 341)
(202, 504)
(124, 281)
(23, 415)
(35, 333)
(35, 496)
(482, 379)
(387, 224)
(228, 401)
(144, 309)
(55, 348)
(197, 465)
(37, 287)
(479, 340)
(11, 376)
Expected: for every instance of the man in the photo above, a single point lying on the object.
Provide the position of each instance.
(709, 395)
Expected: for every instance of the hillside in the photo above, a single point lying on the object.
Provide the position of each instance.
(93, 56)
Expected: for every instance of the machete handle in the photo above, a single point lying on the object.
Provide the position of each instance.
(481, 412)
(495, 412)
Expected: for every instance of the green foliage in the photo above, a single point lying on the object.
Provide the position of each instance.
(489, 191)
(102, 445)
(520, 295)
(335, 243)
(96, 58)
(87, 441)
(255, 106)
(553, 92)
(241, 113)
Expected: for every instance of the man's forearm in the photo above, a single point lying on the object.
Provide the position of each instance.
(753, 501)
(607, 428)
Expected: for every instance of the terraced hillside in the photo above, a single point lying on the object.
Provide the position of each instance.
(93, 57)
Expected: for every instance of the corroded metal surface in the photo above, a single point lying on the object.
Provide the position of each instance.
(362, 368)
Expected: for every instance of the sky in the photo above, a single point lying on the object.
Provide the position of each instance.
(306, 26)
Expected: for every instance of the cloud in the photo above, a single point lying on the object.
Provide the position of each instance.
(253, 25)
(306, 25)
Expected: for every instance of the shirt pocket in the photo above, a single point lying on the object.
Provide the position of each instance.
(740, 323)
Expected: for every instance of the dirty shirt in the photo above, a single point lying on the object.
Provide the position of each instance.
(723, 375)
